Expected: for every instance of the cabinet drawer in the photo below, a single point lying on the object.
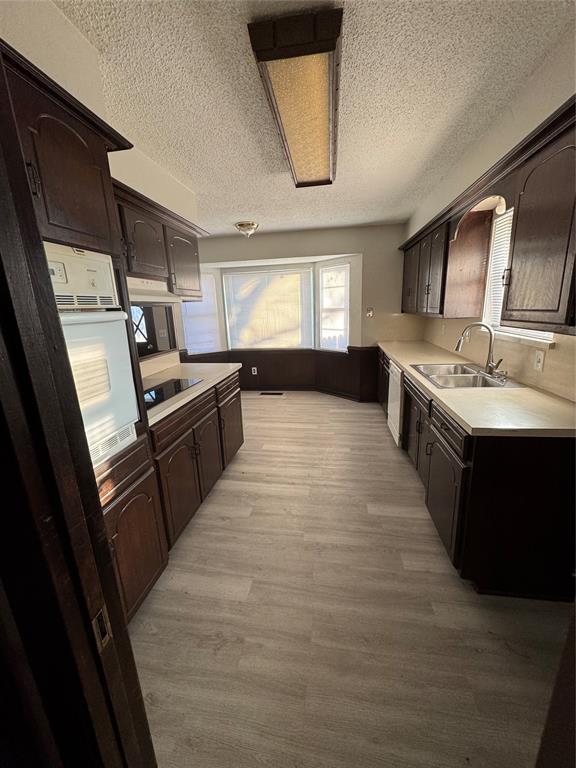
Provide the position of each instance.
(450, 431)
(116, 475)
(227, 387)
(423, 400)
(165, 432)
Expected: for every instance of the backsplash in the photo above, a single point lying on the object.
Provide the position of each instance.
(558, 375)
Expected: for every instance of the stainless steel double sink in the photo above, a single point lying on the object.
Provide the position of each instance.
(458, 375)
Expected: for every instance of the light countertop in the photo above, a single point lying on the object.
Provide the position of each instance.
(521, 411)
(210, 373)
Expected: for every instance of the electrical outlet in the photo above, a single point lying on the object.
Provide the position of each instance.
(254, 371)
(539, 360)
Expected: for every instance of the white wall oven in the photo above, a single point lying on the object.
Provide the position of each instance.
(95, 331)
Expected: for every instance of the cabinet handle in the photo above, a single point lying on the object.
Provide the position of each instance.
(506, 277)
(428, 449)
(197, 450)
(223, 422)
(33, 178)
(418, 427)
(444, 427)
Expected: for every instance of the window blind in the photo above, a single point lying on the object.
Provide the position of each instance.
(200, 318)
(269, 308)
(334, 307)
(499, 252)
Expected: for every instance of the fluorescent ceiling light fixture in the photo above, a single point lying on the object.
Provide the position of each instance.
(299, 58)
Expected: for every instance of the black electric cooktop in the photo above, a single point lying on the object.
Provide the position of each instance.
(167, 389)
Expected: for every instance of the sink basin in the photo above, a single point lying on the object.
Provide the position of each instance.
(460, 375)
(431, 369)
(466, 380)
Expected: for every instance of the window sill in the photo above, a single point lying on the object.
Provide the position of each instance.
(526, 340)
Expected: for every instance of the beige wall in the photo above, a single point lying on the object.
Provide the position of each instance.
(382, 268)
(41, 33)
(548, 88)
(558, 375)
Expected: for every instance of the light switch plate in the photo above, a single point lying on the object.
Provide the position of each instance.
(254, 371)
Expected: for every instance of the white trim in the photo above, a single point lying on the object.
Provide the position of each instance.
(251, 263)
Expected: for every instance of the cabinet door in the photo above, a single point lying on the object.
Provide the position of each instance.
(423, 464)
(436, 279)
(540, 285)
(383, 382)
(445, 492)
(184, 263)
(424, 274)
(209, 451)
(231, 424)
(410, 280)
(467, 266)
(136, 534)
(145, 245)
(411, 431)
(178, 471)
(68, 172)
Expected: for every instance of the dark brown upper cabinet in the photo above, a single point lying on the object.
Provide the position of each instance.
(467, 267)
(159, 243)
(423, 274)
(184, 263)
(65, 150)
(144, 241)
(410, 280)
(540, 277)
(536, 178)
(437, 267)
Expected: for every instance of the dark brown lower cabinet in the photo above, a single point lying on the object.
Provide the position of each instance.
(232, 431)
(411, 431)
(208, 451)
(424, 437)
(178, 471)
(383, 380)
(136, 534)
(503, 506)
(444, 493)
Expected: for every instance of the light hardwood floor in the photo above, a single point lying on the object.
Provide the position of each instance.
(309, 616)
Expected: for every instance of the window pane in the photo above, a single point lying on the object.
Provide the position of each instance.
(334, 318)
(334, 307)
(139, 324)
(200, 318)
(269, 309)
(334, 297)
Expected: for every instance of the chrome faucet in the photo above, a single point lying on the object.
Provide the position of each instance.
(491, 367)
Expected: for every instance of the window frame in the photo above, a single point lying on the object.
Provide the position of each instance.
(322, 268)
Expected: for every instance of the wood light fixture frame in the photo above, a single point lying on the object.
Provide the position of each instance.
(293, 36)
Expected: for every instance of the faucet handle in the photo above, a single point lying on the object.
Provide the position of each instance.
(497, 365)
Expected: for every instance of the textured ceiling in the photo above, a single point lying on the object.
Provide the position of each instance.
(420, 81)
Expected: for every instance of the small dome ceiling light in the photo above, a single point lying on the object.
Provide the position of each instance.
(246, 227)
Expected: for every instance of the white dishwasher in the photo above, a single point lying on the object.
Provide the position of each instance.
(395, 402)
